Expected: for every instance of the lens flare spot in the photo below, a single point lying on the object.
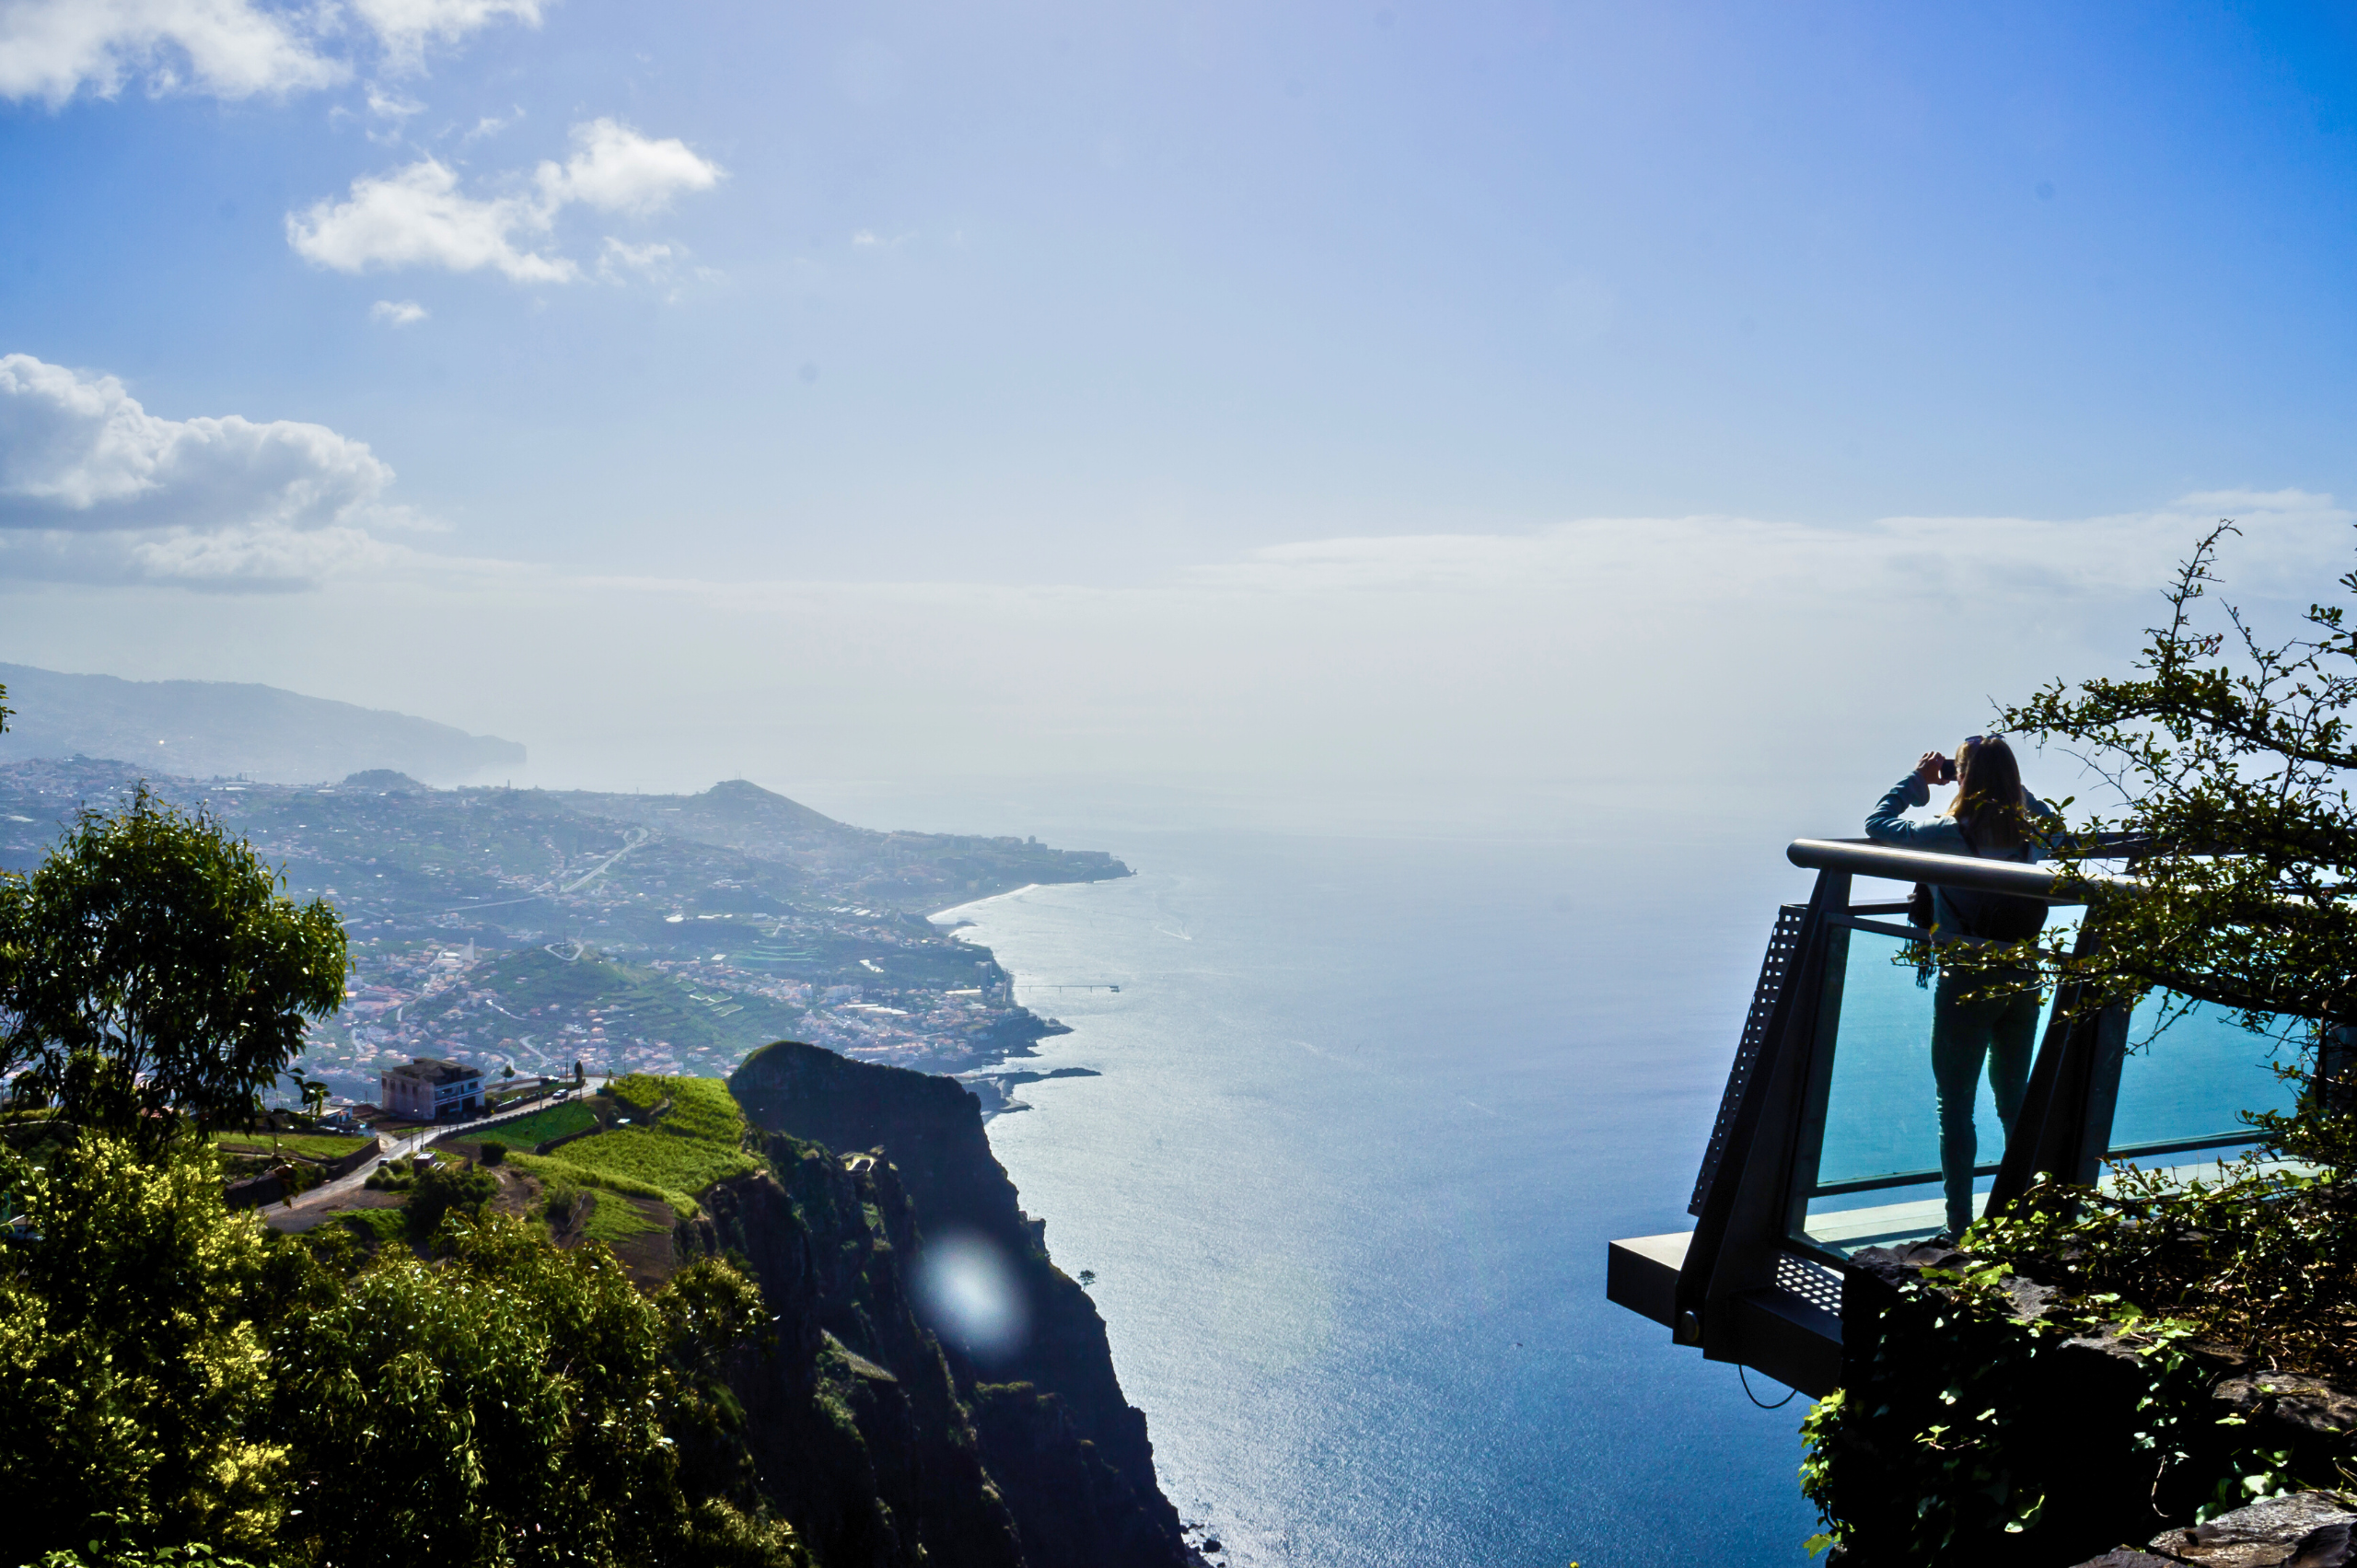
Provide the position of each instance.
(970, 1296)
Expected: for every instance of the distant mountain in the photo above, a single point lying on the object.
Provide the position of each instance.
(203, 728)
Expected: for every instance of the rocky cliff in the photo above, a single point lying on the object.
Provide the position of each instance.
(884, 1435)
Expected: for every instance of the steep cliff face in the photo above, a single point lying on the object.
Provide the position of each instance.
(884, 1446)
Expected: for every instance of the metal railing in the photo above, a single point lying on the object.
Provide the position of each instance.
(1758, 1201)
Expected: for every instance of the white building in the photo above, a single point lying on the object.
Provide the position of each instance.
(430, 1090)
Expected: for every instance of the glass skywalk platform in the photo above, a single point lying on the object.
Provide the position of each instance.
(1828, 1135)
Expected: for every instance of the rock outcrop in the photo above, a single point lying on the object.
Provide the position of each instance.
(2036, 1439)
(2307, 1529)
(884, 1439)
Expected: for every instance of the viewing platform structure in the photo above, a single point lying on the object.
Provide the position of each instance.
(1828, 1140)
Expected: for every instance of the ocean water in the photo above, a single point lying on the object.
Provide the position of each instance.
(1370, 1110)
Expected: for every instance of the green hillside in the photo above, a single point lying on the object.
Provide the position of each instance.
(695, 1140)
(537, 992)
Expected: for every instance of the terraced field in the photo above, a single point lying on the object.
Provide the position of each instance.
(556, 1121)
(695, 1142)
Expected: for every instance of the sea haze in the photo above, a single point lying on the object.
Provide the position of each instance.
(1370, 1111)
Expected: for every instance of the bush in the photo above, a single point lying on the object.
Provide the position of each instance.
(515, 1403)
(558, 1199)
(494, 1152)
(446, 1189)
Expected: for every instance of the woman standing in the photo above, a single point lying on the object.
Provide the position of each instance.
(1988, 1014)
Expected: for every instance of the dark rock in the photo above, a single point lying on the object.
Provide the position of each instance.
(2128, 1557)
(2326, 1548)
(1888, 1261)
(1066, 1453)
(2313, 1407)
(2304, 1530)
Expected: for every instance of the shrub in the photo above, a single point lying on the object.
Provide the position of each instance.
(494, 1152)
(446, 1189)
(558, 1200)
(515, 1404)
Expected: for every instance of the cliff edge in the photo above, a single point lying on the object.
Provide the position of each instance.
(886, 1434)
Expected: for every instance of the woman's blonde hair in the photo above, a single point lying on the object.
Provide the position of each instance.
(1988, 797)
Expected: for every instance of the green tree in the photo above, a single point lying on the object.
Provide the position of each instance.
(515, 1404)
(2229, 756)
(151, 971)
(133, 1372)
(172, 1373)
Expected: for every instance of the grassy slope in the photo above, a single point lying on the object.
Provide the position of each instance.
(540, 1126)
(696, 1143)
(613, 1218)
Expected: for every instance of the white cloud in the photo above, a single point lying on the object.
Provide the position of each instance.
(234, 48)
(53, 49)
(493, 124)
(406, 26)
(92, 485)
(397, 312)
(418, 216)
(648, 260)
(391, 106)
(615, 169)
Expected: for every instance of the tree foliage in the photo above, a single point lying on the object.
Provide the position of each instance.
(132, 1370)
(508, 1404)
(2228, 757)
(173, 1372)
(152, 970)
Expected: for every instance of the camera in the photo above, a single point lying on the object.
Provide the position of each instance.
(1948, 770)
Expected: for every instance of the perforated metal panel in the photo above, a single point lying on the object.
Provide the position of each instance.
(1812, 1282)
(1783, 946)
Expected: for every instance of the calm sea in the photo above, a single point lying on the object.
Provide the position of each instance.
(1370, 1110)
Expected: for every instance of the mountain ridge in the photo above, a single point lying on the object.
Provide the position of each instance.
(223, 728)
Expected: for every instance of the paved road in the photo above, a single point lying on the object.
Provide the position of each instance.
(401, 1149)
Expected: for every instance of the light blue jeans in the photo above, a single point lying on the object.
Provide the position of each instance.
(1966, 1031)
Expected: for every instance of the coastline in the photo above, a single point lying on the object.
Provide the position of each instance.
(993, 1081)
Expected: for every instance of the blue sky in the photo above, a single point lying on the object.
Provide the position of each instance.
(958, 369)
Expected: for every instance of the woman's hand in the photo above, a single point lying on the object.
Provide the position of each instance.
(1929, 767)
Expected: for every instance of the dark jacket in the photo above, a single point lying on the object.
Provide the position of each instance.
(1887, 824)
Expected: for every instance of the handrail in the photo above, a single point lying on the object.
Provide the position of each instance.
(1863, 858)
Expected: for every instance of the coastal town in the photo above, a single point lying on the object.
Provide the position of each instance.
(529, 931)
